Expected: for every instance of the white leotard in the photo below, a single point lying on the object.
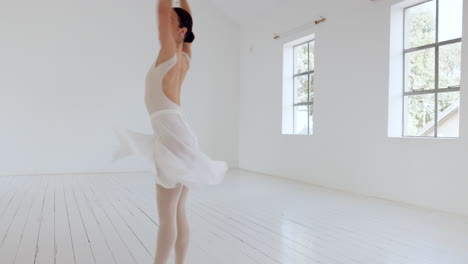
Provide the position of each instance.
(155, 98)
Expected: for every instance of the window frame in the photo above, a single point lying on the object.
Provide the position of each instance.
(309, 103)
(437, 90)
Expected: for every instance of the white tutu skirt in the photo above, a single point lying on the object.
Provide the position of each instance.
(172, 152)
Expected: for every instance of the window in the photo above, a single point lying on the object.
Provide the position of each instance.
(432, 68)
(299, 86)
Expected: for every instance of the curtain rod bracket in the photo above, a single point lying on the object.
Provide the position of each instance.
(320, 20)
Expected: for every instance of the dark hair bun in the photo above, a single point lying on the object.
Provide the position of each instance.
(185, 20)
(190, 37)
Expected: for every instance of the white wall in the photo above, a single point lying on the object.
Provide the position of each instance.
(71, 70)
(350, 149)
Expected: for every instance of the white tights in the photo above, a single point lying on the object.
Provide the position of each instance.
(174, 231)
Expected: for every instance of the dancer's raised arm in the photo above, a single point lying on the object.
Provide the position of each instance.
(187, 48)
(184, 4)
(166, 36)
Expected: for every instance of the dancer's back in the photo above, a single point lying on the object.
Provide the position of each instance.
(164, 83)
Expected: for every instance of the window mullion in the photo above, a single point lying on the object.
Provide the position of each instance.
(308, 85)
(403, 119)
(436, 104)
(294, 93)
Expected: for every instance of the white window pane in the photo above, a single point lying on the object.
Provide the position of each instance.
(420, 25)
(311, 119)
(448, 114)
(420, 115)
(301, 89)
(450, 65)
(420, 70)
(301, 59)
(311, 56)
(450, 19)
(300, 120)
(311, 87)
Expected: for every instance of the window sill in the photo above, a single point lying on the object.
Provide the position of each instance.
(296, 134)
(433, 138)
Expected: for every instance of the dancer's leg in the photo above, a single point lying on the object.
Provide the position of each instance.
(183, 229)
(167, 200)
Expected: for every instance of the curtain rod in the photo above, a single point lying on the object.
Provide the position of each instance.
(299, 29)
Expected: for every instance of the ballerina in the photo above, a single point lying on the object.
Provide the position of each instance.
(172, 152)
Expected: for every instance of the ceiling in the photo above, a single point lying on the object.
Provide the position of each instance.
(243, 11)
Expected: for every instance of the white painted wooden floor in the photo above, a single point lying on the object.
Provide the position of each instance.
(248, 219)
